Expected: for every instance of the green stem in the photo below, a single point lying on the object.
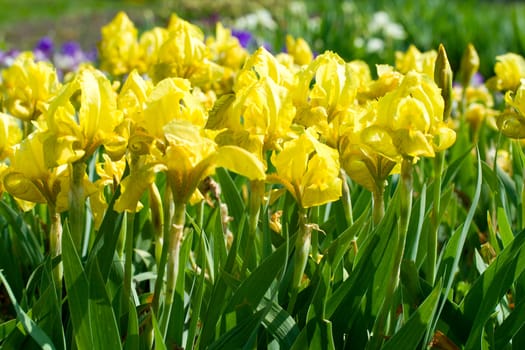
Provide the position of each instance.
(162, 244)
(256, 195)
(55, 247)
(175, 242)
(302, 249)
(77, 203)
(346, 199)
(378, 210)
(130, 218)
(433, 236)
(405, 206)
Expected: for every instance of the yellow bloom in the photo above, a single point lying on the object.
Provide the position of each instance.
(171, 99)
(413, 59)
(299, 50)
(409, 121)
(263, 64)
(387, 80)
(75, 131)
(191, 156)
(512, 121)
(28, 86)
(225, 49)
(509, 69)
(150, 43)
(309, 170)
(29, 179)
(119, 49)
(257, 118)
(10, 135)
(185, 55)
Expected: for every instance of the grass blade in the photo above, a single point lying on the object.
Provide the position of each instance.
(29, 325)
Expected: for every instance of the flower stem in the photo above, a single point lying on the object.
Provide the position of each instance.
(55, 247)
(433, 237)
(77, 203)
(130, 218)
(302, 248)
(378, 210)
(405, 206)
(346, 199)
(256, 195)
(175, 242)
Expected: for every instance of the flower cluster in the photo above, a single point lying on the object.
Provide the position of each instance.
(183, 104)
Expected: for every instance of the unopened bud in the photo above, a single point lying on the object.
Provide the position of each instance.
(443, 79)
(469, 65)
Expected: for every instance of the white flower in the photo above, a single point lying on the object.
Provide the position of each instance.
(298, 9)
(395, 31)
(260, 18)
(378, 22)
(375, 45)
(348, 7)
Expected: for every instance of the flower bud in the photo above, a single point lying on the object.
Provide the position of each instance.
(469, 65)
(443, 79)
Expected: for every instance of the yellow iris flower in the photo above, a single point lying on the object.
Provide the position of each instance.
(80, 118)
(118, 49)
(413, 59)
(299, 50)
(28, 86)
(31, 181)
(325, 95)
(10, 135)
(509, 69)
(408, 121)
(512, 121)
(188, 159)
(184, 54)
(309, 170)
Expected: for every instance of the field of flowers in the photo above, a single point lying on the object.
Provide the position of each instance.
(199, 185)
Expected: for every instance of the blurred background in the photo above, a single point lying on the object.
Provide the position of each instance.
(359, 29)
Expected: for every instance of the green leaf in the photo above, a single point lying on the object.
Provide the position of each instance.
(479, 304)
(6, 328)
(105, 243)
(132, 341)
(280, 324)
(453, 251)
(510, 326)
(505, 232)
(238, 336)
(29, 325)
(196, 299)
(340, 245)
(372, 267)
(231, 195)
(316, 335)
(77, 287)
(159, 339)
(102, 319)
(253, 288)
(410, 335)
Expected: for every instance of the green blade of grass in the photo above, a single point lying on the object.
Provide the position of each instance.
(410, 335)
(453, 251)
(481, 300)
(29, 325)
(102, 319)
(77, 287)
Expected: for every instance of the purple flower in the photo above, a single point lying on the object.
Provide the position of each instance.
(244, 37)
(71, 48)
(8, 57)
(44, 48)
